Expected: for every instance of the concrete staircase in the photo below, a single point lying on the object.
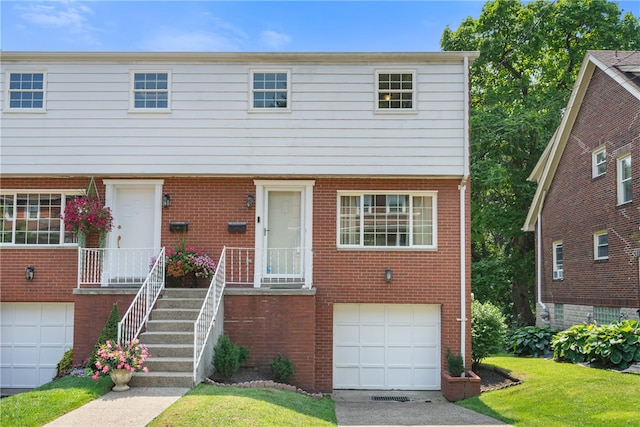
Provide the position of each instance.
(169, 338)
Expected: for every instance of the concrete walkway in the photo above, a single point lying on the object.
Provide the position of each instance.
(135, 407)
(424, 408)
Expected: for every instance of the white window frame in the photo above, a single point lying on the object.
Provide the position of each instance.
(8, 91)
(133, 91)
(253, 91)
(63, 193)
(623, 180)
(378, 92)
(599, 160)
(558, 269)
(407, 210)
(597, 244)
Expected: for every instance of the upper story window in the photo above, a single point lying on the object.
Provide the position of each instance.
(33, 219)
(624, 179)
(600, 245)
(270, 90)
(367, 220)
(26, 91)
(558, 261)
(599, 162)
(150, 90)
(395, 90)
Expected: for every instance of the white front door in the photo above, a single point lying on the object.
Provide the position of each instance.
(283, 223)
(135, 237)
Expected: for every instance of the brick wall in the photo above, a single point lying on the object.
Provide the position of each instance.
(578, 205)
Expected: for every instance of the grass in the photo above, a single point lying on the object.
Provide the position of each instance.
(50, 401)
(208, 405)
(560, 394)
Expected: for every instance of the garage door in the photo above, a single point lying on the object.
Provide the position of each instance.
(386, 346)
(34, 336)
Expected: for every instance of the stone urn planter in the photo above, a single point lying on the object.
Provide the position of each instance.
(459, 388)
(120, 378)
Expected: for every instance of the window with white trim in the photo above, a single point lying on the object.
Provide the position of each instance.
(599, 162)
(395, 90)
(32, 218)
(26, 91)
(387, 220)
(270, 90)
(601, 245)
(624, 179)
(150, 90)
(558, 261)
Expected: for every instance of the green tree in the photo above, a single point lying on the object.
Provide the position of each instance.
(530, 54)
(109, 333)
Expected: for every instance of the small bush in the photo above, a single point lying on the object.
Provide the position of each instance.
(282, 368)
(455, 364)
(109, 333)
(488, 330)
(615, 345)
(531, 341)
(228, 357)
(65, 364)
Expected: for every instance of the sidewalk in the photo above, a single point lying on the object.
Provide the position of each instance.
(135, 407)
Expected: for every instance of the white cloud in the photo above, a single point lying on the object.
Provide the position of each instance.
(64, 14)
(274, 40)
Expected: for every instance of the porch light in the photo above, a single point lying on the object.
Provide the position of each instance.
(29, 272)
(388, 275)
(249, 201)
(166, 200)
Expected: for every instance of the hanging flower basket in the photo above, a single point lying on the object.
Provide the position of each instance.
(86, 214)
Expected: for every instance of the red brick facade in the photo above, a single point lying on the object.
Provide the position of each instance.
(578, 205)
(299, 327)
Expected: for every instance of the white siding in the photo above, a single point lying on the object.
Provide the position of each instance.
(332, 128)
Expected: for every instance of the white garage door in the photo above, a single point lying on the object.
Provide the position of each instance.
(386, 346)
(34, 336)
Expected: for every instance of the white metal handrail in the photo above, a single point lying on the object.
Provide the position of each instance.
(260, 266)
(136, 317)
(204, 323)
(114, 266)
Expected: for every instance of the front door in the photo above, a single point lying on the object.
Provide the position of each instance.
(283, 223)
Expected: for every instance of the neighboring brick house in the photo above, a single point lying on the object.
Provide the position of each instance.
(351, 164)
(585, 211)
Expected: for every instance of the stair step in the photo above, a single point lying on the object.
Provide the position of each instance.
(167, 337)
(162, 379)
(170, 325)
(170, 350)
(175, 314)
(188, 303)
(184, 293)
(170, 364)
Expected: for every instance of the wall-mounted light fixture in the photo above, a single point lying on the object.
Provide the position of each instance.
(29, 272)
(166, 200)
(388, 275)
(249, 201)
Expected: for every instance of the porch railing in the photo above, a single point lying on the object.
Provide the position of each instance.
(204, 323)
(269, 266)
(136, 317)
(114, 267)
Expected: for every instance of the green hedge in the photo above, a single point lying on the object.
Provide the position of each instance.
(531, 341)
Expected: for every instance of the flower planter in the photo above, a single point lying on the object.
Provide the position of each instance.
(120, 378)
(459, 388)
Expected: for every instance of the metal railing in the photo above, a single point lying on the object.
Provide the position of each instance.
(136, 317)
(264, 266)
(113, 266)
(203, 325)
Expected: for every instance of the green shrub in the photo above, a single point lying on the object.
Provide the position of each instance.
(282, 368)
(488, 330)
(455, 364)
(614, 345)
(228, 357)
(109, 333)
(65, 364)
(531, 341)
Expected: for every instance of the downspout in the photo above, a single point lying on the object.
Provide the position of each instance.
(463, 236)
(544, 314)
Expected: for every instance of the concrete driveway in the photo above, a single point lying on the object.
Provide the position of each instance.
(424, 408)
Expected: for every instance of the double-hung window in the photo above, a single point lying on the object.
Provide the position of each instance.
(558, 261)
(387, 220)
(624, 179)
(600, 245)
(150, 91)
(599, 162)
(395, 90)
(33, 218)
(270, 90)
(26, 91)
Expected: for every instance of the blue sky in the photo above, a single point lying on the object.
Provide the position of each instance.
(234, 26)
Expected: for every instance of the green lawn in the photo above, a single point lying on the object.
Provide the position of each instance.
(560, 394)
(208, 405)
(50, 401)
